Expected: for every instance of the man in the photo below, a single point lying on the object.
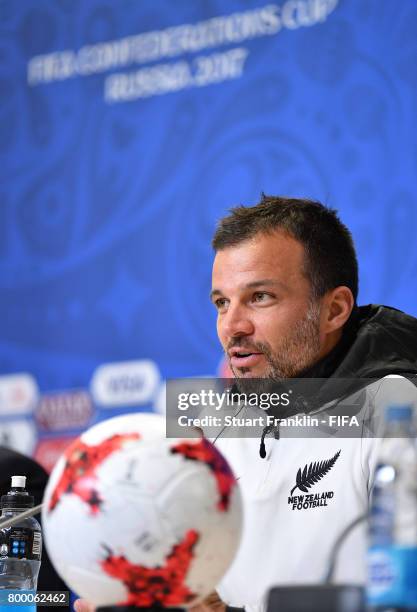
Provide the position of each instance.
(285, 284)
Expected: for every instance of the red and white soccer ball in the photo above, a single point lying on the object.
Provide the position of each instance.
(133, 518)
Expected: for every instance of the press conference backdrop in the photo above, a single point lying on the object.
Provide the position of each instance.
(128, 128)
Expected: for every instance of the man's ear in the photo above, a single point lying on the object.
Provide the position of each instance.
(339, 304)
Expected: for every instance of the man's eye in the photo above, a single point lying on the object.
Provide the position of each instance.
(220, 303)
(259, 296)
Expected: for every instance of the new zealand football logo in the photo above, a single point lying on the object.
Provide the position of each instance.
(306, 478)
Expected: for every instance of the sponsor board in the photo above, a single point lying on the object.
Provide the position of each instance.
(127, 383)
(19, 434)
(49, 451)
(160, 402)
(64, 410)
(18, 394)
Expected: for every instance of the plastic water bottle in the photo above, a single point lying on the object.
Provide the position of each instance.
(392, 556)
(20, 547)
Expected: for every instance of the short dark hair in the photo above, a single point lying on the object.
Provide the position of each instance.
(330, 253)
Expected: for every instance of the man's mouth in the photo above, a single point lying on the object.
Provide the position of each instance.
(244, 358)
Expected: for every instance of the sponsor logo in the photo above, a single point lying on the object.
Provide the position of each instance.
(308, 477)
(68, 410)
(126, 383)
(19, 435)
(48, 452)
(18, 394)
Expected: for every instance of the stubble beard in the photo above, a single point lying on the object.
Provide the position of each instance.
(298, 351)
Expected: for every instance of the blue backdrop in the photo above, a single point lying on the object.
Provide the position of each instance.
(128, 128)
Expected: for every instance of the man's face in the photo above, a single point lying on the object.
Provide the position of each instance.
(267, 322)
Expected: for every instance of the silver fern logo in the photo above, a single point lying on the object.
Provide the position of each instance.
(306, 478)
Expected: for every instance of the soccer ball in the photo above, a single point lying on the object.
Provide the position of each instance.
(133, 518)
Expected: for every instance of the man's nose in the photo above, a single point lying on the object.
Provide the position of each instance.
(237, 322)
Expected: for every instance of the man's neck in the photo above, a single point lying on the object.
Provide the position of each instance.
(331, 341)
(334, 350)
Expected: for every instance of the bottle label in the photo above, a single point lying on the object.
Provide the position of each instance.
(392, 576)
(383, 508)
(21, 543)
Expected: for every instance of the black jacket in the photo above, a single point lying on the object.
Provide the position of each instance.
(377, 341)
